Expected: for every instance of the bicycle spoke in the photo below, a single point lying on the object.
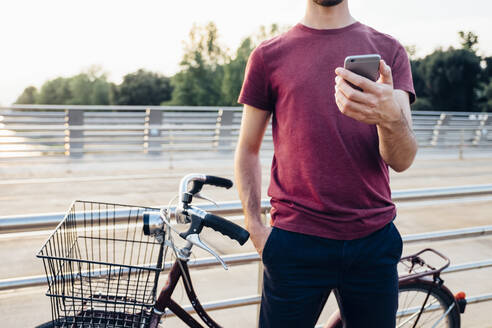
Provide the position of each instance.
(416, 312)
(412, 313)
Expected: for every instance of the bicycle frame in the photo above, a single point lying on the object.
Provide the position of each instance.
(179, 270)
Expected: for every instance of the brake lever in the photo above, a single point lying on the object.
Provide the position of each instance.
(199, 195)
(195, 240)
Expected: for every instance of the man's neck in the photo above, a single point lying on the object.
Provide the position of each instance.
(322, 18)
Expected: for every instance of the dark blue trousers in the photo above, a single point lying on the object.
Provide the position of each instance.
(301, 270)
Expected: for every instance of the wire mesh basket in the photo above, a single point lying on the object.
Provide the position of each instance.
(102, 271)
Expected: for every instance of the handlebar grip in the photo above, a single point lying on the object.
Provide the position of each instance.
(226, 228)
(218, 181)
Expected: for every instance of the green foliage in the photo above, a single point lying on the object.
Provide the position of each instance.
(485, 90)
(87, 88)
(199, 81)
(450, 79)
(208, 75)
(418, 79)
(28, 96)
(487, 70)
(55, 92)
(422, 104)
(234, 69)
(142, 88)
(411, 51)
(234, 73)
(468, 40)
(487, 93)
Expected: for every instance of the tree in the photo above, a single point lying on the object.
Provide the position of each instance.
(487, 70)
(418, 79)
(487, 93)
(485, 90)
(87, 88)
(208, 75)
(80, 87)
(468, 40)
(28, 96)
(234, 69)
(199, 81)
(142, 88)
(234, 73)
(55, 92)
(422, 103)
(411, 51)
(90, 87)
(450, 79)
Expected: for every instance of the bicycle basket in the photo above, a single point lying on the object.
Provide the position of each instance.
(102, 271)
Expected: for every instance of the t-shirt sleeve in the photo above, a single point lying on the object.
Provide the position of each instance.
(256, 90)
(402, 73)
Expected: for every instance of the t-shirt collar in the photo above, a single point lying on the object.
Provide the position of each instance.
(305, 28)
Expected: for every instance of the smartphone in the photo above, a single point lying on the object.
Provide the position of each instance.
(365, 65)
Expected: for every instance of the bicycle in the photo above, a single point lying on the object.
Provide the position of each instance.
(103, 268)
(423, 299)
(103, 263)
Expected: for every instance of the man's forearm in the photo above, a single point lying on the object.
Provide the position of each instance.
(397, 144)
(247, 171)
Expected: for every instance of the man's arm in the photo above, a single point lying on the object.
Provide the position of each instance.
(380, 104)
(247, 172)
(397, 142)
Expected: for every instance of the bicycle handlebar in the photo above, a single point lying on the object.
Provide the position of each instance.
(187, 213)
(218, 181)
(226, 227)
(198, 180)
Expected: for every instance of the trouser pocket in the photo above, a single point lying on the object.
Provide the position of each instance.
(266, 254)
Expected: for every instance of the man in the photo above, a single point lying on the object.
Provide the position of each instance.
(331, 202)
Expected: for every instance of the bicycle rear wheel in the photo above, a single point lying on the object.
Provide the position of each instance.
(440, 309)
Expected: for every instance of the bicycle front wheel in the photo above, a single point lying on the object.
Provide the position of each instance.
(50, 324)
(439, 310)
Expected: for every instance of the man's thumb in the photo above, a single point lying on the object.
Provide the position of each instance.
(385, 72)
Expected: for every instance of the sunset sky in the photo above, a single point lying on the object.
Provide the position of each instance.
(41, 40)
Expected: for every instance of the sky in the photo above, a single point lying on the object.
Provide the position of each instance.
(41, 40)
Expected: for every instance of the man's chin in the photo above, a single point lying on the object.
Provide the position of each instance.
(327, 3)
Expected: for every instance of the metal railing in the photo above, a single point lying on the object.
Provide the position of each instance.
(234, 208)
(245, 258)
(54, 130)
(49, 220)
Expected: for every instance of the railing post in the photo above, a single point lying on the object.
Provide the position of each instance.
(224, 127)
(462, 143)
(443, 119)
(74, 135)
(479, 132)
(152, 132)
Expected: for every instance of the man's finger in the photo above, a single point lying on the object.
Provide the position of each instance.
(358, 80)
(386, 76)
(354, 94)
(350, 108)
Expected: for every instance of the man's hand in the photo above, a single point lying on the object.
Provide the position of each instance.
(380, 104)
(258, 234)
(375, 105)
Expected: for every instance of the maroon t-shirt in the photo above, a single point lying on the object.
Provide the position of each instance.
(327, 177)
